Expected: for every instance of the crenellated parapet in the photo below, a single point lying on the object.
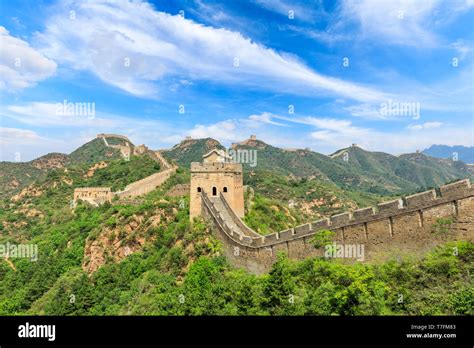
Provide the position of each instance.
(405, 223)
(212, 167)
(417, 202)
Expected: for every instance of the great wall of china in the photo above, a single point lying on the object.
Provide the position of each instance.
(100, 195)
(401, 225)
(391, 228)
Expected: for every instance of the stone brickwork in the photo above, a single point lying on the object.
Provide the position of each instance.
(145, 185)
(400, 226)
(93, 195)
(216, 177)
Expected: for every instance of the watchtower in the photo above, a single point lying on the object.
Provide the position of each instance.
(216, 175)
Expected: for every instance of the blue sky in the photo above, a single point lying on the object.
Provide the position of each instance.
(317, 74)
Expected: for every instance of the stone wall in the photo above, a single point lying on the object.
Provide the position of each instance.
(98, 195)
(125, 150)
(392, 228)
(145, 185)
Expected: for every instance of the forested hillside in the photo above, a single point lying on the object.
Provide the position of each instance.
(144, 256)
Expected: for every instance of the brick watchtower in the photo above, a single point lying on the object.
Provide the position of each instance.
(216, 175)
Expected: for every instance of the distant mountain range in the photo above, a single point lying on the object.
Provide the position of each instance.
(463, 153)
(352, 168)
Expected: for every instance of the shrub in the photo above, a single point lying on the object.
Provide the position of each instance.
(323, 238)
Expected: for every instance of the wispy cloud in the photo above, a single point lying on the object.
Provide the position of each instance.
(327, 135)
(303, 11)
(18, 136)
(21, 66)
(462, 47)
(395, 21)
(104, 36)
(328, 36)
(426, 125)
(265, 117)
(18, 144)
(45, 114)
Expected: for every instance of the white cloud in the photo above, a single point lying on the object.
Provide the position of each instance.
(17, 136)
(236, 130)
(366, 110)
(265, 117)
(393, 141)
(224, 130)
(395, 21)
(426, 125)
(462, 47)
(329, 36)
(400, 22)
(65, 133)
(18, 144)
(305, 11)
(216, 15)
(45, 114)
(103, 35)
(330, 134)
(20, 65)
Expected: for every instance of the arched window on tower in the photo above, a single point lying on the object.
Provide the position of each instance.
(199, 189)
(214, 191)
(225, 189)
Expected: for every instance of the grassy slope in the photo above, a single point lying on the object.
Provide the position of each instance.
(15, 176)
(280, 202)
(93, 152)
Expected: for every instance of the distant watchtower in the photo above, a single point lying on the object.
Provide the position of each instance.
(214, 176)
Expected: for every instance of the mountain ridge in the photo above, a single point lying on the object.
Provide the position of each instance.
(350, 168)
(461, 152)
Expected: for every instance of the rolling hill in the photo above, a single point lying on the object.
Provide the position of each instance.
(191, 150)
(14, 176)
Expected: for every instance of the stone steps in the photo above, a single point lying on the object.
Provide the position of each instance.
(219, 205)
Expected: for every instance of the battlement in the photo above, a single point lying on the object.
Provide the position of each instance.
(389, 223)
(457, 188)
(422, 200)
(213, 167)
(419, 199)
